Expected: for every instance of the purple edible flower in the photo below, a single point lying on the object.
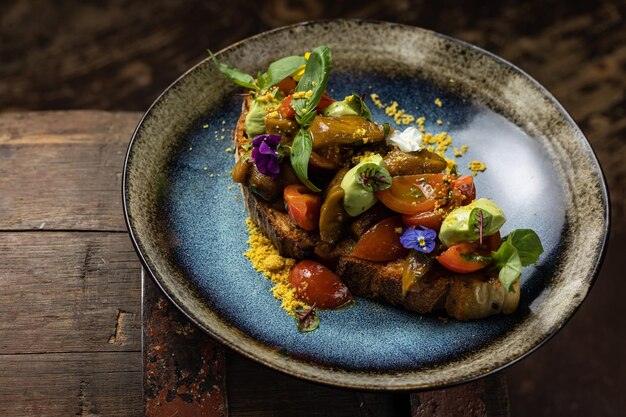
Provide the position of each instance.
(265, 154)
(421, 239)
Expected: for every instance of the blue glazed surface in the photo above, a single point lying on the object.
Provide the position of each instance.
(208, 232)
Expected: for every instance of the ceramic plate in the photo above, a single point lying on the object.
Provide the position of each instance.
(187, 220)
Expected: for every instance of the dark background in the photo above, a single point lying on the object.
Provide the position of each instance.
(120, 54)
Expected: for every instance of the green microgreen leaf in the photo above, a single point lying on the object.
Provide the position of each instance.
(235, 75)
(307, 319)
(301, 149)
(357, 104)
(373, 177)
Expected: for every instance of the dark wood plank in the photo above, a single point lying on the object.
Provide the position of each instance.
(184, 369)
(62, 170)
(68, 292)
(71, 384)
(486, 397)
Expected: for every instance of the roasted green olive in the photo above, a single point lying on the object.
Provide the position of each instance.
(344, 130)
(332, 213)
(412, 163)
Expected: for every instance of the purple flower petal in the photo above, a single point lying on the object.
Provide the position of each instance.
(265, 154)
(421, 239)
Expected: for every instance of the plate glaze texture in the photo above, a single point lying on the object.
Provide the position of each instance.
(187, 218)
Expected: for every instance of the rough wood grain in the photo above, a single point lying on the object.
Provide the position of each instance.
(71, 384)
(183, 368)
(68, 292)
(62, 171)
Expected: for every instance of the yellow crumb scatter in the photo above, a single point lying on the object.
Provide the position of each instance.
(265, 258)
(205, 126)
(376, 101)
(420, 124)
(365, 156)
(438, 102)
(229, 150)
(476, 167)
(464, 148)
(272, 115)
(398, 230)
(439, 122)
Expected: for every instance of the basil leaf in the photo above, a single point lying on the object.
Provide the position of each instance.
(528, 245)
(314, 79)
(283, 68)
(373, 177)
(521, 248)
(235, 75)
(301, 149)
(261, 80)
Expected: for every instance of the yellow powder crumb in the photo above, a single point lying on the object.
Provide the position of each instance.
(362, 157)
(230, 187)
(272, 115)
(376, 101)
(359, 132)
(420, 124)
(438, 102)
(308, 94)
(205, 126)
(392, 109)
(265, 258)
(299, 94)
(398, 230)
(464, 148)
(476, 167)
(229, 150)
(457, 153)
(439, 122)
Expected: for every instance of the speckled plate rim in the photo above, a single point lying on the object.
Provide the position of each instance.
(365, 380)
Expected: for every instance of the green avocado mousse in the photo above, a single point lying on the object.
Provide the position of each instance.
(461, 225)
(361, 181)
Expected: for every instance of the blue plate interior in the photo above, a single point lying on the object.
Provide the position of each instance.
(205, 216)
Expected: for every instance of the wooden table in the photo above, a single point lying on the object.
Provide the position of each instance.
(71, 302)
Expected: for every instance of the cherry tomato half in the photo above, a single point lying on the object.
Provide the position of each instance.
(413, 194)
(316, 284)
(381, 242)
(463, 191)
(303, 207)
(287, 86)
(285, 108)
(324, 102)
(454, 260)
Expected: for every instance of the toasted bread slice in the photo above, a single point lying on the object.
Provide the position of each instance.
(462, 296)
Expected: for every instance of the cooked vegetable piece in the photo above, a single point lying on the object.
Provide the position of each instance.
(332, 214)
(328, 158)
(464, 258)
(416, 265)
(413, 194)
(463, 191)
(381, 242)
(412, 163)
(344, 131)
(302, 206)
(429, 219)
(317, 285)
(473, 298)
(285, 108)
(366, 220)
(281, 126)
(240, 170)
(267, 188)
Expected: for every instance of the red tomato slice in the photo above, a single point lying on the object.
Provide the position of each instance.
(429, 219)
(287, 86)
(453, 259)
(304, 208)
(381, 242)
(285, 108)
(316, 284)
(324, 102)
(464, 190)
(413, 194)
